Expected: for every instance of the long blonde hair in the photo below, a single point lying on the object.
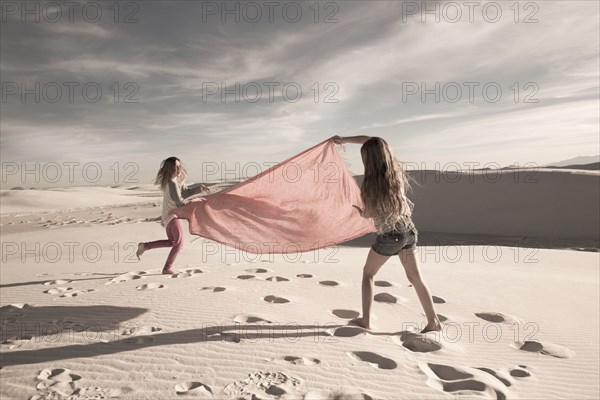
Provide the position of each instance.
(167, 170)
(384, 186)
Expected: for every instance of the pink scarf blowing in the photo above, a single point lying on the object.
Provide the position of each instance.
(301, 204)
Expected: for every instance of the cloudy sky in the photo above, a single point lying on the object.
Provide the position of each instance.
(361, 67)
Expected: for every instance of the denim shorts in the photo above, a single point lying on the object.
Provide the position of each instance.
(403, 237)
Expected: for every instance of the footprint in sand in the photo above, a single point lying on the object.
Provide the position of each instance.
(438, 300)
(325, 395)
(441, 317)
(256, 270)
(304, 276)
(275, 300)
(278, 279)
(16, 341)
(140, 330)
(129, 276)
(417, 343)
(373, 359)
(261, 384)
(497, 375)
(497, 317)
(345, 314)
(138, 340)
(214, 289)
(519, 372)
(56, 383)
(385, 298)
(58, 374)
(187, 273)
(150, 286)
(10, 313)
(245, 277)
(61, 383)
(57, 282)
(75, 293)
(58, 290)
(328, 283)
(549, 349)
(249, 319)
(349, 331)
(481, 380)
(225, 337)
(302, 360)
(197, 389)
(383, 284)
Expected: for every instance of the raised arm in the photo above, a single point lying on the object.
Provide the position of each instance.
(187, 191)
(350, 139)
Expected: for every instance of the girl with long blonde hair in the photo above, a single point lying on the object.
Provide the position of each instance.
(383, 192)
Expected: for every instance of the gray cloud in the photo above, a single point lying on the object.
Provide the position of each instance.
(366, 57)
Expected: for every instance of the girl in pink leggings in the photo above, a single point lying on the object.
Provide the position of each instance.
(170, 178)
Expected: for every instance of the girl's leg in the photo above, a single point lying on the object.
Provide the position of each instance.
(411, 267)
(374, 262)
(142, 247)
(175, 235)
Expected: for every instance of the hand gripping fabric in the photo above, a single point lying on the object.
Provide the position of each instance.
(301, 204)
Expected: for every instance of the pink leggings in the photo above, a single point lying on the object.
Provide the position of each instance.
(175, 240)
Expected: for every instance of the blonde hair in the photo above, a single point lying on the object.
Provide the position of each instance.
(167, 171)
(384, 186)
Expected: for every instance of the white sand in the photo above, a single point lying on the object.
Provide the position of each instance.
(103, 324)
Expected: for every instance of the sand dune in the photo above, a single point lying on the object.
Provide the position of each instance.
(98, 323)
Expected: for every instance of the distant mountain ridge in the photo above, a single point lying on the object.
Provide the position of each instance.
(577, 161)
(591, 167)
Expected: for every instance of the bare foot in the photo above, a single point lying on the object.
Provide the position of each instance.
(360, 321)
(435, 326)
(140, 250)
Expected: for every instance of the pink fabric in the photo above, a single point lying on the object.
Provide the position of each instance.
(175, 240)
(301, 204)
